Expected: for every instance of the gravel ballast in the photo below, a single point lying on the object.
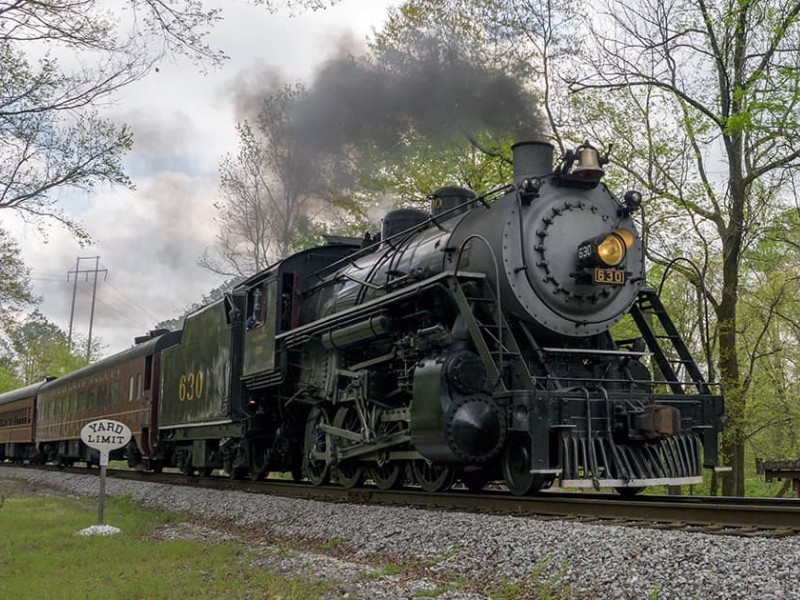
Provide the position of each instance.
(477, 552)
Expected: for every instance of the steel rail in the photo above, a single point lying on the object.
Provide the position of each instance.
(709, 514)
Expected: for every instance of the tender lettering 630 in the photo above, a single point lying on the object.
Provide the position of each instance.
(190, 386)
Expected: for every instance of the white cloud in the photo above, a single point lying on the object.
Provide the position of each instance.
(148, 239)
(183, 122)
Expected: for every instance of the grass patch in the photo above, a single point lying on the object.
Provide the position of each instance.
(535, 585)
(386, 571)
(332, 545)
(447, 554)
(450, 552)
(44, 558)
(439, 590)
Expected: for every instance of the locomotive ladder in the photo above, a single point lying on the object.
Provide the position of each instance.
(490, 331)
(648, 304)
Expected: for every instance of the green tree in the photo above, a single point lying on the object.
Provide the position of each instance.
(15, 291)
(770, 340)
(408, 176)
(9, 380)
(41, 349)
(532, 40)
(527, 40)
(51, 134)
(275, 194)
(701, 97)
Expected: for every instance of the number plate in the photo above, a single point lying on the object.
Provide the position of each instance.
(609, 276)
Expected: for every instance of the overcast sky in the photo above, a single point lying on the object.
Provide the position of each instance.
(183, 122)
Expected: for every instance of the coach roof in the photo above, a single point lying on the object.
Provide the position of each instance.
(29, 391)
(143, 349)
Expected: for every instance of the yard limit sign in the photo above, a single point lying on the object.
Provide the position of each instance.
(104, 435)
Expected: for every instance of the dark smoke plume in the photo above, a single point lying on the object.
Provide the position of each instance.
(250, 88)
(440, 94)
(359, 108)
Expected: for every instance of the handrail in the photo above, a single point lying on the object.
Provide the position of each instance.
(498, 298)
(703, 297)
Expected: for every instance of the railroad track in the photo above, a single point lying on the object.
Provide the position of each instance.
(772, 517)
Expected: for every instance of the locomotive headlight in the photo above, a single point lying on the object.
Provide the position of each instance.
(627, 236)
(611, 251)
(607, 250)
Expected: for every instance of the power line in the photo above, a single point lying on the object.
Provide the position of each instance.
(132, 303)
(123, 315)
(113, 301)
(115, 294)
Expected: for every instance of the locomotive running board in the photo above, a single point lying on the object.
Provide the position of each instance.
(629, 483)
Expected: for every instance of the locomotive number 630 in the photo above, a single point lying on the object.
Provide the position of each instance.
(190, 386)
(609, 276)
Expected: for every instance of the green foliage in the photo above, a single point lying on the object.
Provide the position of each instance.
(422, 165)
(39, 348)
(44, 558)
(770, 342)
(15, 291)
(535, 42)
(333, 544)
(704, 121)
(52, 136)
(9, 380)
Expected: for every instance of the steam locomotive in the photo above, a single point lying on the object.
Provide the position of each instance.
(469, 343)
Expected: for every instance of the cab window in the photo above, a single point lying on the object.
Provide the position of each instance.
(256, 307)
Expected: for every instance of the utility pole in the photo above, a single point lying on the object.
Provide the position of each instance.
(78, 271)
(72, 310)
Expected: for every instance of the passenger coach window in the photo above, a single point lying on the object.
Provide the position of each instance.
(131, 383)
(139, 391)
(113, 391)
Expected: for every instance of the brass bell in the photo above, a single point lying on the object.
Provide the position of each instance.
(588, 168)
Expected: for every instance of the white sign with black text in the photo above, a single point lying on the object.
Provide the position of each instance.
(105, 435)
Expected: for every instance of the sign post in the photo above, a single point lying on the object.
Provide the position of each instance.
(104, 435)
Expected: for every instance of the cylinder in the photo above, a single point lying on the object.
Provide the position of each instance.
(532, 159)
(358, 332)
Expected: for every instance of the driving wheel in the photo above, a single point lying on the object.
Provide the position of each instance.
(433, 477)
(350, 474)
(316, 469)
